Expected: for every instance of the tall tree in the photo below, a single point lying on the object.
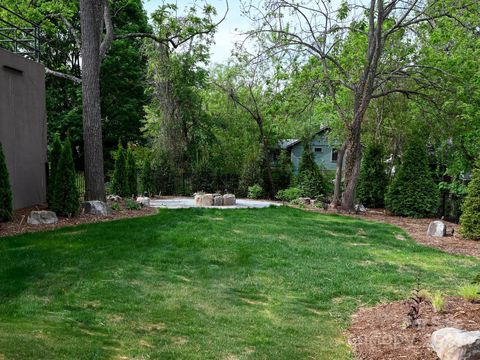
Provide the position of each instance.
(91, 15)
(314, 28)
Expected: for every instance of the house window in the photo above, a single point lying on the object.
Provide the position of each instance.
(318, 150)
(334, 155)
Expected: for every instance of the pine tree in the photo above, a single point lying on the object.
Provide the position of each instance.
(131, 173)
(6, 199)
(120, 179)
(65, 196)
(470, 219)
(413, 191)
(147, 177)
(372, 182)
(55, 154)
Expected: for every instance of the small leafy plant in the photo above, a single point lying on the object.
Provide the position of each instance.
(255, 191)
(132, 205)
(470, 292)
(115, 206)
(290, 194)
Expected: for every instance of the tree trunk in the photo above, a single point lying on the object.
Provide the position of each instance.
(91, 14)
(337, 193)
(353, 157)
(268, 167)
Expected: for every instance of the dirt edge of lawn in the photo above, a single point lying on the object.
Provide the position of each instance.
(380, 332)
(18, 225)
(417, 229)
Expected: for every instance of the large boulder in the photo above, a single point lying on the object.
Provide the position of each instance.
(229, 200)
(437, 228)
(143, 200)
(218, 200)
(359, 208)
(456, 344)
(204, 200)
(42, 217)
(96, 207)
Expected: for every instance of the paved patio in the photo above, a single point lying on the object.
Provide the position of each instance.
(181, 203)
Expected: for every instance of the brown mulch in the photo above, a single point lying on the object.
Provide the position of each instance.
(19, 223)
(380, 333)
(417, 229)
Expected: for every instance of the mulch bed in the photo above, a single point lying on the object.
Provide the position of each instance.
(417, 229)
(379, 333)
(19, 223)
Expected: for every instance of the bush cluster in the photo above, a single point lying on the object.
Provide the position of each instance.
(373, 181)
(470, 219)
(124, 180)
(289, 194)
(65, 198)
(413, 191)
(310, 179)
(255, 192)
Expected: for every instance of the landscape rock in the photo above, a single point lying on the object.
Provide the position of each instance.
(437, 228)
(42, 217)
(96, 207)
(198, 199)
(114, 198)
(456, 344)
(204, 200)
(229, 200)
(305, 200)
(359, 208)
(218, 200)
(143, 200)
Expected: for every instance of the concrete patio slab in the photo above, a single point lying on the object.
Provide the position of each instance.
(182, 203)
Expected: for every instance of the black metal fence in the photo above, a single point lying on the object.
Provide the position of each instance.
(21, 39)
(80, 184)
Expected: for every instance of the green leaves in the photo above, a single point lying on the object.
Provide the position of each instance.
(65, 195)
(470, 219)
(412, 191)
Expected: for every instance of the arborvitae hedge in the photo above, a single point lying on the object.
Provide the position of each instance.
(6, 199)
(310, 178)
(148, 185)
(55, 154)
(65, 195)
(373, 181)
(131, 173)
(413, 191)
(120, 184)
(470, 219)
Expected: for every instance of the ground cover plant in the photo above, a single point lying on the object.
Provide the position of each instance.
(202, 284)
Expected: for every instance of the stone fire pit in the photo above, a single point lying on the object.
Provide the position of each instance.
(202, 200)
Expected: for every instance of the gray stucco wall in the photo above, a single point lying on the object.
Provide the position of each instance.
(323, 158)
(23, 127)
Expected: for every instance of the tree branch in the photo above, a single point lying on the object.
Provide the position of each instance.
(63, 75)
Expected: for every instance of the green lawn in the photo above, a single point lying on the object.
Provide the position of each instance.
(275, 283)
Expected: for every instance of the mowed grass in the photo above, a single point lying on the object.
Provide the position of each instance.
(276, 283)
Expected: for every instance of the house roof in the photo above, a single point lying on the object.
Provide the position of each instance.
(286, 144)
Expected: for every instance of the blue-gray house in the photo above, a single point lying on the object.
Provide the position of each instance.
(324, 153)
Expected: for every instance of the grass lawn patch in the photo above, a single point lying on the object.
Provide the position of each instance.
(276, 283)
